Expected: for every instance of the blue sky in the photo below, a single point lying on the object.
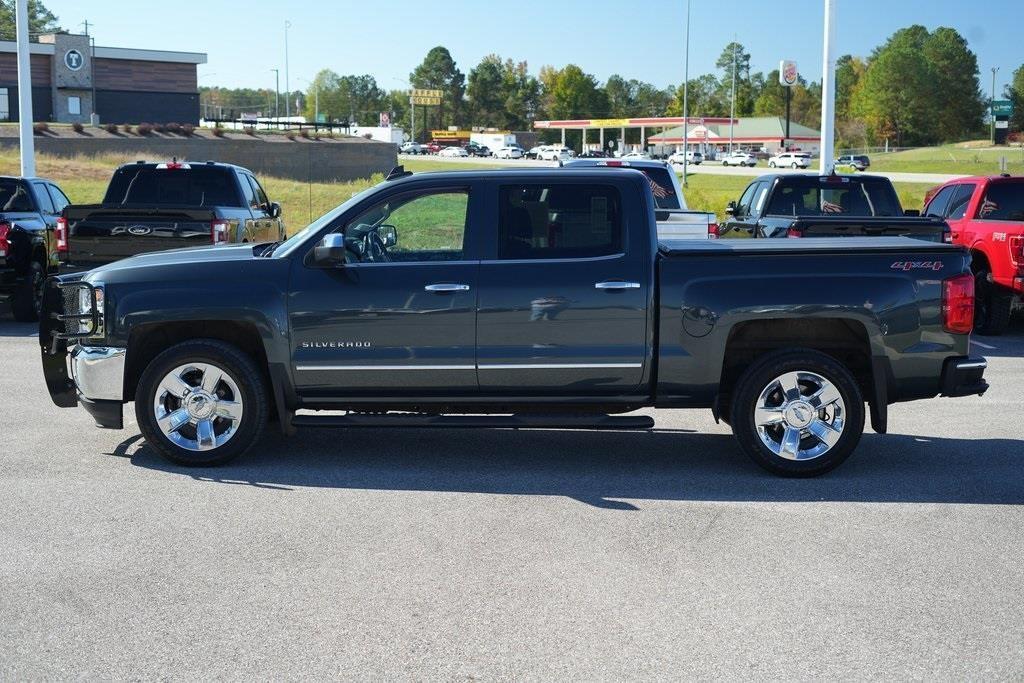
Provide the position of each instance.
(643, 40)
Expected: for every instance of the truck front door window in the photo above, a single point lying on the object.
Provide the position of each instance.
(743, 206)
(410, 228)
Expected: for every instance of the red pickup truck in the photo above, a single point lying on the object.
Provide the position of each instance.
(986, 215)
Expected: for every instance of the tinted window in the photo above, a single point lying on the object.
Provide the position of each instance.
(151, 186)
(429, 227)
(743, 206)
(958, 203)
(42, 198)
(60, 200)
(662, 187)
(940, 202)
(248, 193)
(261, 196)
(14, 196)
(815, 197)
(559, 221)
(1003, 201)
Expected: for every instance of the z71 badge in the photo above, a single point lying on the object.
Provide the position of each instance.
(917, 265)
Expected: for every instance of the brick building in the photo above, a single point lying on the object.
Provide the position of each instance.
(72, 79)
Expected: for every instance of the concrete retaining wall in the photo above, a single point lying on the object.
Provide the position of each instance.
(323, 161)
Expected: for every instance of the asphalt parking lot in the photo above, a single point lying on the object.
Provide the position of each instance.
(512, 554)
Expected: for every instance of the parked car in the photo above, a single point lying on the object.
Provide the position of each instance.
(555, 153)
(434, 147)
(636, 154)
(802, 205)
(159, 206)
(30, 241)
(413, 148)
(534, 152)
(453, 152)
(509, 153)
(477, 150)
(790, 160)
(739, 159)
(548, 302)
(593, 154)
(986, 215)
(691, 157)
(859, 162)
(674, 219)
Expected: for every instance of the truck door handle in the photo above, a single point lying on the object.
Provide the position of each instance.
(446, 287)
(616, 284)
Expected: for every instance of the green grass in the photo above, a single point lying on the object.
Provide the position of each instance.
(960, 159)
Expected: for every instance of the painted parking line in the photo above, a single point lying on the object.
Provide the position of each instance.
(984, 346)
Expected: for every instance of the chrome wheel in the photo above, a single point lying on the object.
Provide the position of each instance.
(198, 406)
(800, 415)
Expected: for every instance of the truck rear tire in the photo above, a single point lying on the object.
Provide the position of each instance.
(797, 413)
(27, 299)
(992, 306)
(201, 403)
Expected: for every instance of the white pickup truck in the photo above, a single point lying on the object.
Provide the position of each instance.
(675, 221)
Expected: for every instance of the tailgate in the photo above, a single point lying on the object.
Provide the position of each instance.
(928, 229)
(675, 224)
(97, 236)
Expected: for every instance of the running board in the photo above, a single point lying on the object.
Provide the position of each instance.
(477, 421)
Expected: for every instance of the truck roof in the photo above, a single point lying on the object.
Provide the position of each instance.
(859, 176)
(517, 173)
(190, 162)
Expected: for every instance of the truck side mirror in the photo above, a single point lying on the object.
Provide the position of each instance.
(388, 235)
(275, 210)
(330, 251)
(730, 208)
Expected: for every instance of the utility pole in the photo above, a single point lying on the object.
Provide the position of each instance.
(86, 25)
(732, 111)
(277, 95)
(991, 108)
(28, 146)
(287, 86)
(686, 94)
(828, 91)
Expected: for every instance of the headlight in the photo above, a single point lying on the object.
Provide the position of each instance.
(87, 298)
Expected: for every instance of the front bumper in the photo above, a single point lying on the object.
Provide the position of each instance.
(98, 374)
(964, 377)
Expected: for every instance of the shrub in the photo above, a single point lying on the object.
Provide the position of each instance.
(160, 127)
(41, 128)
(127, 129)
(187, 129)
(368, 136)
(77, 127)
(144, 129)
(218, 131)
(174, 128)
(112, 128)
(290, 135)
(304, 132)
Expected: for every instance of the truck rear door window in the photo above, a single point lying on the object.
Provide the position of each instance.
(559, 221)
(1003, 201)
(14, 197)
(815, 197)
(151, 186)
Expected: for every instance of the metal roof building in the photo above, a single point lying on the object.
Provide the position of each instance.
(756, 133)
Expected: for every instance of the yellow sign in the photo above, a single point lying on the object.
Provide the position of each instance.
(450, 134)
(425, 101)
(423, 92)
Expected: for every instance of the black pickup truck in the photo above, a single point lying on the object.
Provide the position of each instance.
(803, 205)
(30, 240)
(514, 298)
(159, 206)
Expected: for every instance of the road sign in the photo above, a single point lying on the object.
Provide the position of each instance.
(1002, 108)
(788, 73)
(425, 101)
(424, 92)
(385, 119)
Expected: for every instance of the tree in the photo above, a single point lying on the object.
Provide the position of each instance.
(40, 19)
(849, 71)
(1015, 93)
(576, 95)
(956, 71)
(486, 91)
(438, 71)
(734, 55)
(896, 96)
(705, 98)
(345, 98)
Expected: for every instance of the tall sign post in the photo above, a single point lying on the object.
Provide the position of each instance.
(788, 76)
(28, 146)
(828, 91)
(686, 97)
(424, 98)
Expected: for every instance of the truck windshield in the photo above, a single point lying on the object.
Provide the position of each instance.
(152, 186)
(1003, 201)
(814, 196)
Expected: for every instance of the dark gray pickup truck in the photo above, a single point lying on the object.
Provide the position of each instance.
(521, 298)
(804, 205)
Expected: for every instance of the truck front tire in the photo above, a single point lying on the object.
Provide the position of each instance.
(797, 413)
(201, 403)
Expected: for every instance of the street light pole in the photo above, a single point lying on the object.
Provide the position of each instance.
(991, 108)
(828, 91)
(27, 143)
(277, 94)
(287, 86)
(732, 110)
(686, 94)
